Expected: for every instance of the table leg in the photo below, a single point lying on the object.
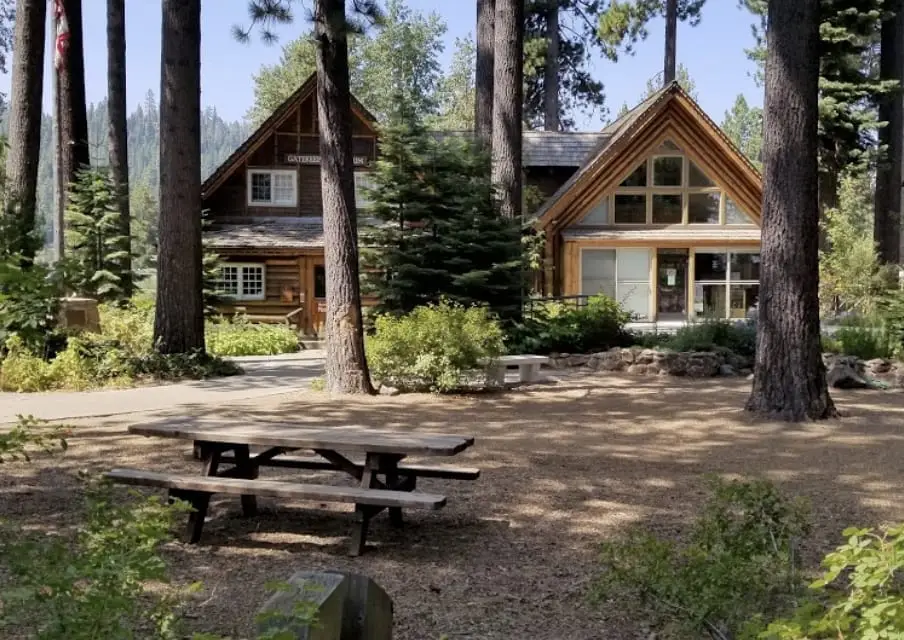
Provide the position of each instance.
(246, 469)
(392, 481)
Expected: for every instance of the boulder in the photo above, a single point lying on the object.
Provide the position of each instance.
(727, 370)
(842, 375)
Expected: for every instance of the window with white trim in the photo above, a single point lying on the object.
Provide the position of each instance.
(621, 274)
(272, 187)
(363, 182)
(242, 281)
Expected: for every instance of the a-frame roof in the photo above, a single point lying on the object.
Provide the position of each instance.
(670, 113)
(276, 118)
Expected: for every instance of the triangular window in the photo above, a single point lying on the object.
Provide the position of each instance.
(696, 177)
(733, 213)
(638, 177)
(668, 147)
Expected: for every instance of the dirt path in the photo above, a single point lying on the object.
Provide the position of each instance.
(513, 554)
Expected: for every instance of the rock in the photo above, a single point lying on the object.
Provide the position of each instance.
(578, 360)
(843, 375)
(878, 366)
(637, 369)
(647, 356)
(348, 607)
(727, 370)
(386, 390)
(627, 356)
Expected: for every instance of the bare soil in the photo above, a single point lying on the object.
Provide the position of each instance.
(564, 466)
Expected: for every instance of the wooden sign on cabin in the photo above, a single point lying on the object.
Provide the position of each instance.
(313, 158)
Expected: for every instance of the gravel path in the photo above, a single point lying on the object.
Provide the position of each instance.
(512, 555)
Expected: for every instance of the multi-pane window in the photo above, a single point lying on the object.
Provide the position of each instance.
(669, 188)
(363, 182)
(727, 283)
(621, 274)
(275, 188)
(242, 281)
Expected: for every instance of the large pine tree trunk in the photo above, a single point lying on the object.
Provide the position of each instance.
(117, 131)
(551, 120)
(508, 104)
(25, 120)
(179, 320)
(670, 64)
(789, 377)
(73, 124)
(346, 365)
(483, 107)
(887, 224)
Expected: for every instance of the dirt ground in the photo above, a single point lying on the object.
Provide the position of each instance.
(512, 555)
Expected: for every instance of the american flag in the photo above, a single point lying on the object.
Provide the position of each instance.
(62, 34)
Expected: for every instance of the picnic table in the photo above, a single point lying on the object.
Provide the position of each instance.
(383, 481)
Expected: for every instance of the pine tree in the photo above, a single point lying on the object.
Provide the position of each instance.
(438, 231)
(93, 236)
(117, 134)
(484, 73)
(744, 126)
(508, 95)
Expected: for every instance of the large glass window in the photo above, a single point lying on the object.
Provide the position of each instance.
(638, 177)
(363, 184)
(703, 208)
(726, 283)
(667, 171)
(598, 272)
(623, 275)
(630, 209)
(667, 209)
(733, 214)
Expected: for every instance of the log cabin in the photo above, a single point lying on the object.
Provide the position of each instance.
(658, 210)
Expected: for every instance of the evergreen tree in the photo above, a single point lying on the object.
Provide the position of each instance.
(624, 22)
(744, 126)
(96, 245)
(438, 231)
(683, 77)
(457, 91)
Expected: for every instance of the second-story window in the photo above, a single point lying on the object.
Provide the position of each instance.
(363, 182)
(273, 188)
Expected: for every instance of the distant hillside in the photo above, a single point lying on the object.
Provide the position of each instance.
(218, 139)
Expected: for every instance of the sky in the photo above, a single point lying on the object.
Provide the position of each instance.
(713, 52)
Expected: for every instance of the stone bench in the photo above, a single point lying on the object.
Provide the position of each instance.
(528, 368)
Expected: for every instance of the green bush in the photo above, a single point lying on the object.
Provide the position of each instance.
(239, 337)
(716, 335)
(433, 347)
(556, 328)
(865, 343)
(738, 566)
(859, 596)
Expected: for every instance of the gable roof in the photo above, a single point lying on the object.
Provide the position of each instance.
(546, 148)
(276, 118)
(668, 113)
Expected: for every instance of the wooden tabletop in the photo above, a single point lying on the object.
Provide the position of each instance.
(352, 438)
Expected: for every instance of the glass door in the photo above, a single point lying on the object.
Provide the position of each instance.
(671, 282)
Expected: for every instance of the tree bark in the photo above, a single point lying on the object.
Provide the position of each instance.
(25, 121)
(551, 119)
(670, 66)
(887, 221)
(179, 319)
(117, 129)
(483, 103)
(73, 124)
(508, 101)
(346, 364)
(789, 376)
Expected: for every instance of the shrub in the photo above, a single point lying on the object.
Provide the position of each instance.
(239, 337)
(556, 328)
(738, 565)
(433, 347)
(29, 433)
(716, 335)
(859, 596)
(865, 343)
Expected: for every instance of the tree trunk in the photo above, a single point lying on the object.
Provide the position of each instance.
(117, 131)
(483, 103)
(887, 222)
(346, 365)
(508, 104)
(669, 71)
(789, 377)
(25, 122)
(179, 320)
(73, 124)
(551, 120)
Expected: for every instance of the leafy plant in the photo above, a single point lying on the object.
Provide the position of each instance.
(433, 347)
(30, 303)
(866, 342)
(860, 595)
(738, 565)
(31, 433)
(553, 327)
(715, 335)
(238, 337)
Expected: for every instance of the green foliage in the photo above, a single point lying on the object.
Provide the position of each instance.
(432, 348)
(682, 76)
(717, 335)
(738, 565)
(455, 92)
(850, 279)
(553, 327)
(860, 596)
(92, 236)
(437, 231)
(30, 302)
(624, 22)
(744, 126)
(93, 586)
(238, 337)
(31, 433)
(866, 343)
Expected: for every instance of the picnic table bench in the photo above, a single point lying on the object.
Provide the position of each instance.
(383, 483)
(528, 367)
